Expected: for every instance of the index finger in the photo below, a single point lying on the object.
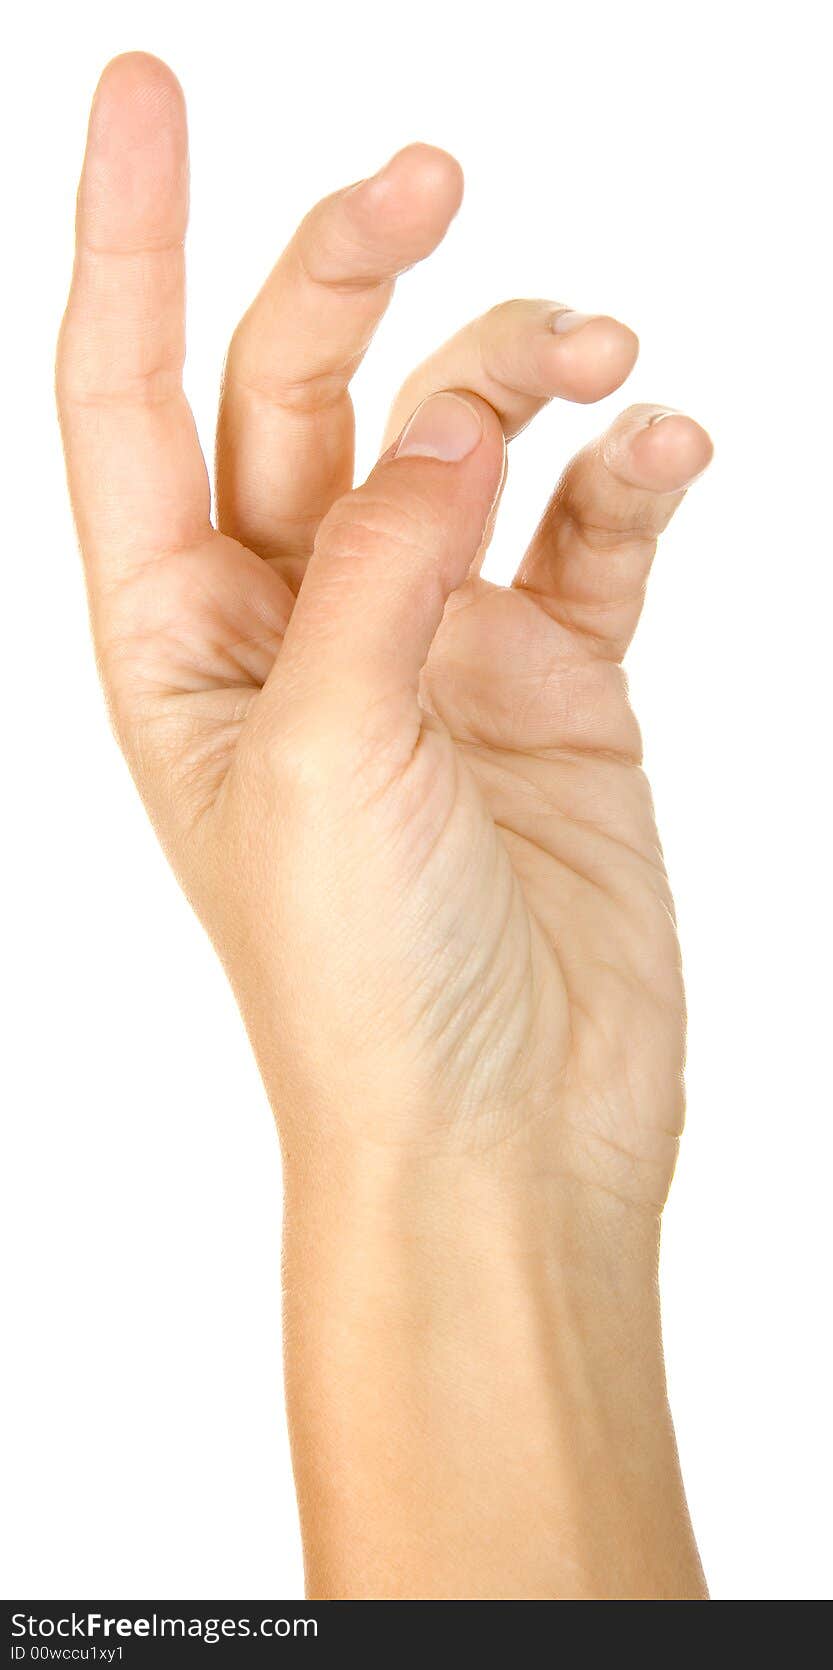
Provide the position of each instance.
(137, 478)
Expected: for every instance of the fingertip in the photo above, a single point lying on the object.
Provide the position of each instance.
(139, 90)
(459, 422)
(134, 186)
(436, 176)
(415, 196)
(658, 449)
(446, 427)
(593, 357)
(423, 171)
(677, 448)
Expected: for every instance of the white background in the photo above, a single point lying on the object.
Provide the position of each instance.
(664, 163)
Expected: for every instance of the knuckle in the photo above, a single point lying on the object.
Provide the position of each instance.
(316, 767)
(304, 759)
(304, 392)
(362, 527)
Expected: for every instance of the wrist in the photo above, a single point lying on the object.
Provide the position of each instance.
(444, 1213)
(446, 1321)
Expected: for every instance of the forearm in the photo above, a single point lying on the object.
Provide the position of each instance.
(476, 1389)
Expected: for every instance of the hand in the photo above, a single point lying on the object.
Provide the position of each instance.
(419, 833)
(407, 804)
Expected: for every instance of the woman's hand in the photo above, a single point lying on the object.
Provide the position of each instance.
(407, 804)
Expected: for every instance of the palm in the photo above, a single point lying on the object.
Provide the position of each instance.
(545, 732)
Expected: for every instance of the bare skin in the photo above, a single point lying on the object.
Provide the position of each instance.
(409, 808)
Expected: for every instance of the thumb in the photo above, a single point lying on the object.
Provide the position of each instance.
(386, 559)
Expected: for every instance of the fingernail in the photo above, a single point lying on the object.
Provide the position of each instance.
(667, 470)
(567, 320)
(445, 426)
(618, 443)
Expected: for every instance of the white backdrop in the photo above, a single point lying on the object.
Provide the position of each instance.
(662, 163)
